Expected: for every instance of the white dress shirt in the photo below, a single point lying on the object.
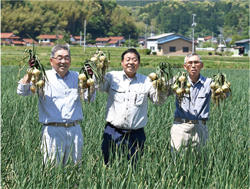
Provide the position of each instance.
(128, 99)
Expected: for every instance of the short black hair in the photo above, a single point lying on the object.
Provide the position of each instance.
(131, 50)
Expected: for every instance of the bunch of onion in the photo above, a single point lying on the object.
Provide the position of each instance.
(36, 70)
(181, 86)
(102, 62)
(220, 87)
(161, 78)
(86, 80)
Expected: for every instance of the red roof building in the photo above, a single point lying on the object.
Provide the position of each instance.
(48, 39)
(112, 41)
(28, 41)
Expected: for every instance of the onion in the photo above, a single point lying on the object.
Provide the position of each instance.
(182, 78)
(82, 77)
(29, 71)
(218, 91)
(225, 88)
(33, 88)
(175, 86)
(36, 72)
(178, 91)
(188, 84)
(152, 76)
(212, 85)
(90, 82)
(102, 58)
(187, 90)
(40, 83)
(94, 59)
(33, 80)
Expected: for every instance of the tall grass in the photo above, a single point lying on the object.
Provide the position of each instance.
(227, 163)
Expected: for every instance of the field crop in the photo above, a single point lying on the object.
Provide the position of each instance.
(9, 56)
(226, 166)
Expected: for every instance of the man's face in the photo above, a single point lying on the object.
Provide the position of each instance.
(193, 66)
(130, 64)
(61, 62)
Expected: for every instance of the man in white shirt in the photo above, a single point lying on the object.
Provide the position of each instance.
(60, 109)
(126, 111)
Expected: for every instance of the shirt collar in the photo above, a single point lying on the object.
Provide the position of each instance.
(66, 75)
(201, 79)
(126, 77)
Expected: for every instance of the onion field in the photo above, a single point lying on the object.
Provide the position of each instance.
(226, 165)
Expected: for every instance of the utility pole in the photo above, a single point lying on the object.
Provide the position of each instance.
(57, 36)
(146, 35)
(80, 38)
(193, 25)
(84, 35)
(129, 41)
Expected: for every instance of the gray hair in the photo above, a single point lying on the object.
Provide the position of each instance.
(190, 55)
(59, 47)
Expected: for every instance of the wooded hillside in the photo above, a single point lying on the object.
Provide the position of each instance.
(107, 18)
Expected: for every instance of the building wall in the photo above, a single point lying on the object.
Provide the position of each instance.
(178, 44)
(152, 45)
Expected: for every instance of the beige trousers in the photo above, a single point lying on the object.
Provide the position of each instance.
(185, 134)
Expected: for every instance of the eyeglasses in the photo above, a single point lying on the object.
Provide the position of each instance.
(60, 58)
(190, 63)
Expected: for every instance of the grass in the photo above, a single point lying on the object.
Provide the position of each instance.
(227, 165)
(9, 56)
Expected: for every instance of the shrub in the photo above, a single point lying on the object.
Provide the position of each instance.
(210, 53)
(148, 51)
(220, 54)
(154, 53)
(245, 54)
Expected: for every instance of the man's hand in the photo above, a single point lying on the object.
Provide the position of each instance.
(31, 62)
(89, 70)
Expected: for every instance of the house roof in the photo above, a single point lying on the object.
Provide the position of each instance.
(113, 41)
(77, 37)
(18, 42)
(14, 37)
(160, 36)
(28, 40)
(117, 38)
(243, 41)
(105, 39)
(167, 37)
(6, 35)
(50, 36)
(208, 37)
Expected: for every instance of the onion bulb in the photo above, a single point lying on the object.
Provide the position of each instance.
(29, 71)
(33, 88)
(182, 78)
(102, 58)
(36, 72)
(178, 91)
(90, 82)
(152, 76)
(94, 59)
(40, 83)
(82, 77)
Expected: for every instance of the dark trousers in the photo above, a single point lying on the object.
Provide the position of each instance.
(119, 139)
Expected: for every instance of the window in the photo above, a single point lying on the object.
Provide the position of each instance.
(172, 49)
(152, 48)
(159, 48)
(184, 49)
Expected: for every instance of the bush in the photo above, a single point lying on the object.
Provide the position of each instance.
(210, 53)
(220, 54)
(154, 53)
(148, 51)
(245, 54)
